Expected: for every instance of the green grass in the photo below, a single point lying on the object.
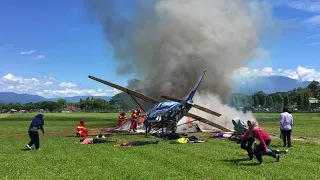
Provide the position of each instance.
(304, 124)
(61, 158)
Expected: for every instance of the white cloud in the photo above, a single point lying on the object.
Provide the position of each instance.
(314, 43)
(69, 92)
(37, 57)
(313, 36)
(67, 85)
(314, 20)
(311, 6)
(48, 83)
(301, 73)
(49, 87)
(27, 52)
(305, 5)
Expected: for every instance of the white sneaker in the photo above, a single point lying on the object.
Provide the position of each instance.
(28, 147)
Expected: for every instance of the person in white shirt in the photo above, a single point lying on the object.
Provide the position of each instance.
(286, 122)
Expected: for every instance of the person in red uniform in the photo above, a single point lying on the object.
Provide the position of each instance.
(134, 117)
(122, 117)
(81, 130)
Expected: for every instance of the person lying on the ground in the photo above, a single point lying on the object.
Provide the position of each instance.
(136, 143)
(167, 135)
(191, 139)
(94, 141)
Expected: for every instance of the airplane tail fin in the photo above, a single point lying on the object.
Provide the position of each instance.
(188, 100)
(194, 90)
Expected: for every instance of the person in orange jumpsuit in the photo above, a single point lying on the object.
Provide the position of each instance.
(134, 116)
(81, 130)
(122, 117)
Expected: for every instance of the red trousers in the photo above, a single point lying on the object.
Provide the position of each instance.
(133, 124)
(120, 121)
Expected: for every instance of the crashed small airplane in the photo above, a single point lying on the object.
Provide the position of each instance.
(167, 114)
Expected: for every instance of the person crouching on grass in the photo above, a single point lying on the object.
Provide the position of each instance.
(241, 128)
(263, 137)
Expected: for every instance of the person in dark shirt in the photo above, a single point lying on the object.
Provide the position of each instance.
(136, 143)
(36, 123)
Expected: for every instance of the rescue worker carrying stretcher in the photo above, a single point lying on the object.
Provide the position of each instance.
(81, 130)
(134, 117)
(122, 117)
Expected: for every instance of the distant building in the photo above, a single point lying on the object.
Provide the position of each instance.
(314, 103)
(72, 108)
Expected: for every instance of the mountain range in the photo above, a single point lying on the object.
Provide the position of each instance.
(268, 84)
(7, 97)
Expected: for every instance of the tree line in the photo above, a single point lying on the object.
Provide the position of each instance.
(86, 105)
(297, 98)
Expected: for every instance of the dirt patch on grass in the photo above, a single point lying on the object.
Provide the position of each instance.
(300, 138)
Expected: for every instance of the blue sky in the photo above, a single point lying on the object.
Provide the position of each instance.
(50, 47)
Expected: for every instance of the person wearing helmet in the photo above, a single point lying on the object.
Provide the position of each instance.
(134, 116)
(121, 118)
(81, 130)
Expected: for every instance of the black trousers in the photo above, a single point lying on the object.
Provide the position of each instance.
(286, 137)
(140, 143)
(246, 144)
(34, 139)
(260, 150)
(97, 141)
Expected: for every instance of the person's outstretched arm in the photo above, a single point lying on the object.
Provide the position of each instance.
(41, 127)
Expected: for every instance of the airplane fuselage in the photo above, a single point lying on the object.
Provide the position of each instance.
(167, 112)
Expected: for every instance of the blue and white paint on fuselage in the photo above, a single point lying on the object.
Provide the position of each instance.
(162, 108)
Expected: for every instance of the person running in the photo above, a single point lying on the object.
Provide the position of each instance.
(36, 123)
(136, 143)
(286, 122)
(264, 138)
(241, 128)
(94, 141)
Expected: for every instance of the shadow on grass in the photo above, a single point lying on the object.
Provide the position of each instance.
(24, 149)
(240, 162)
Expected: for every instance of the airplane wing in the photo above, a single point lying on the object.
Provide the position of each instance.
(206, 110)
(129, 91)
(207, 122)
(193, 105)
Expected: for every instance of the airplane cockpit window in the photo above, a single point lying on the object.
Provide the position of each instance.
(159, 105)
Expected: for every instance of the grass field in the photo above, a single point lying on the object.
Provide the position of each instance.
(61, 158)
